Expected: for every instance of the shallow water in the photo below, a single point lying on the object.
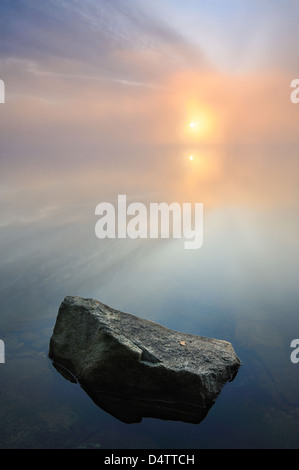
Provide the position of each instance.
(241, 286)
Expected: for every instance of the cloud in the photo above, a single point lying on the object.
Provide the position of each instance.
(115, 40)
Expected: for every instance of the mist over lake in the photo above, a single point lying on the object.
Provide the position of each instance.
(104, 100)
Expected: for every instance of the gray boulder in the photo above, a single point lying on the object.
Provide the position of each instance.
(132, 367)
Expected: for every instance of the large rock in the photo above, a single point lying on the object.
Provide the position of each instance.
(134, 367)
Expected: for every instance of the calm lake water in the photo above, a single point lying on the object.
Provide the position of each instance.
(241, 286)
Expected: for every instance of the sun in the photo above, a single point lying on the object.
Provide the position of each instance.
(191, 158)
(200, 125)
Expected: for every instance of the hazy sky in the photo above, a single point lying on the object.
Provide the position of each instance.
(112, 86)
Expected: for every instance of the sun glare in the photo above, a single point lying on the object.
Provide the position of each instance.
(201, 125)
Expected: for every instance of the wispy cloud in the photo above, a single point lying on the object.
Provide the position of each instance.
(93, 78)
(115, 40)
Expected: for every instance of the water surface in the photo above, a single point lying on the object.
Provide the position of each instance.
(241, 286)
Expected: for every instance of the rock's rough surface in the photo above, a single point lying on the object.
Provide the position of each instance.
(117, 356)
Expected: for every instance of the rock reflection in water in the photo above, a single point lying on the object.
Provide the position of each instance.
(129, 409)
